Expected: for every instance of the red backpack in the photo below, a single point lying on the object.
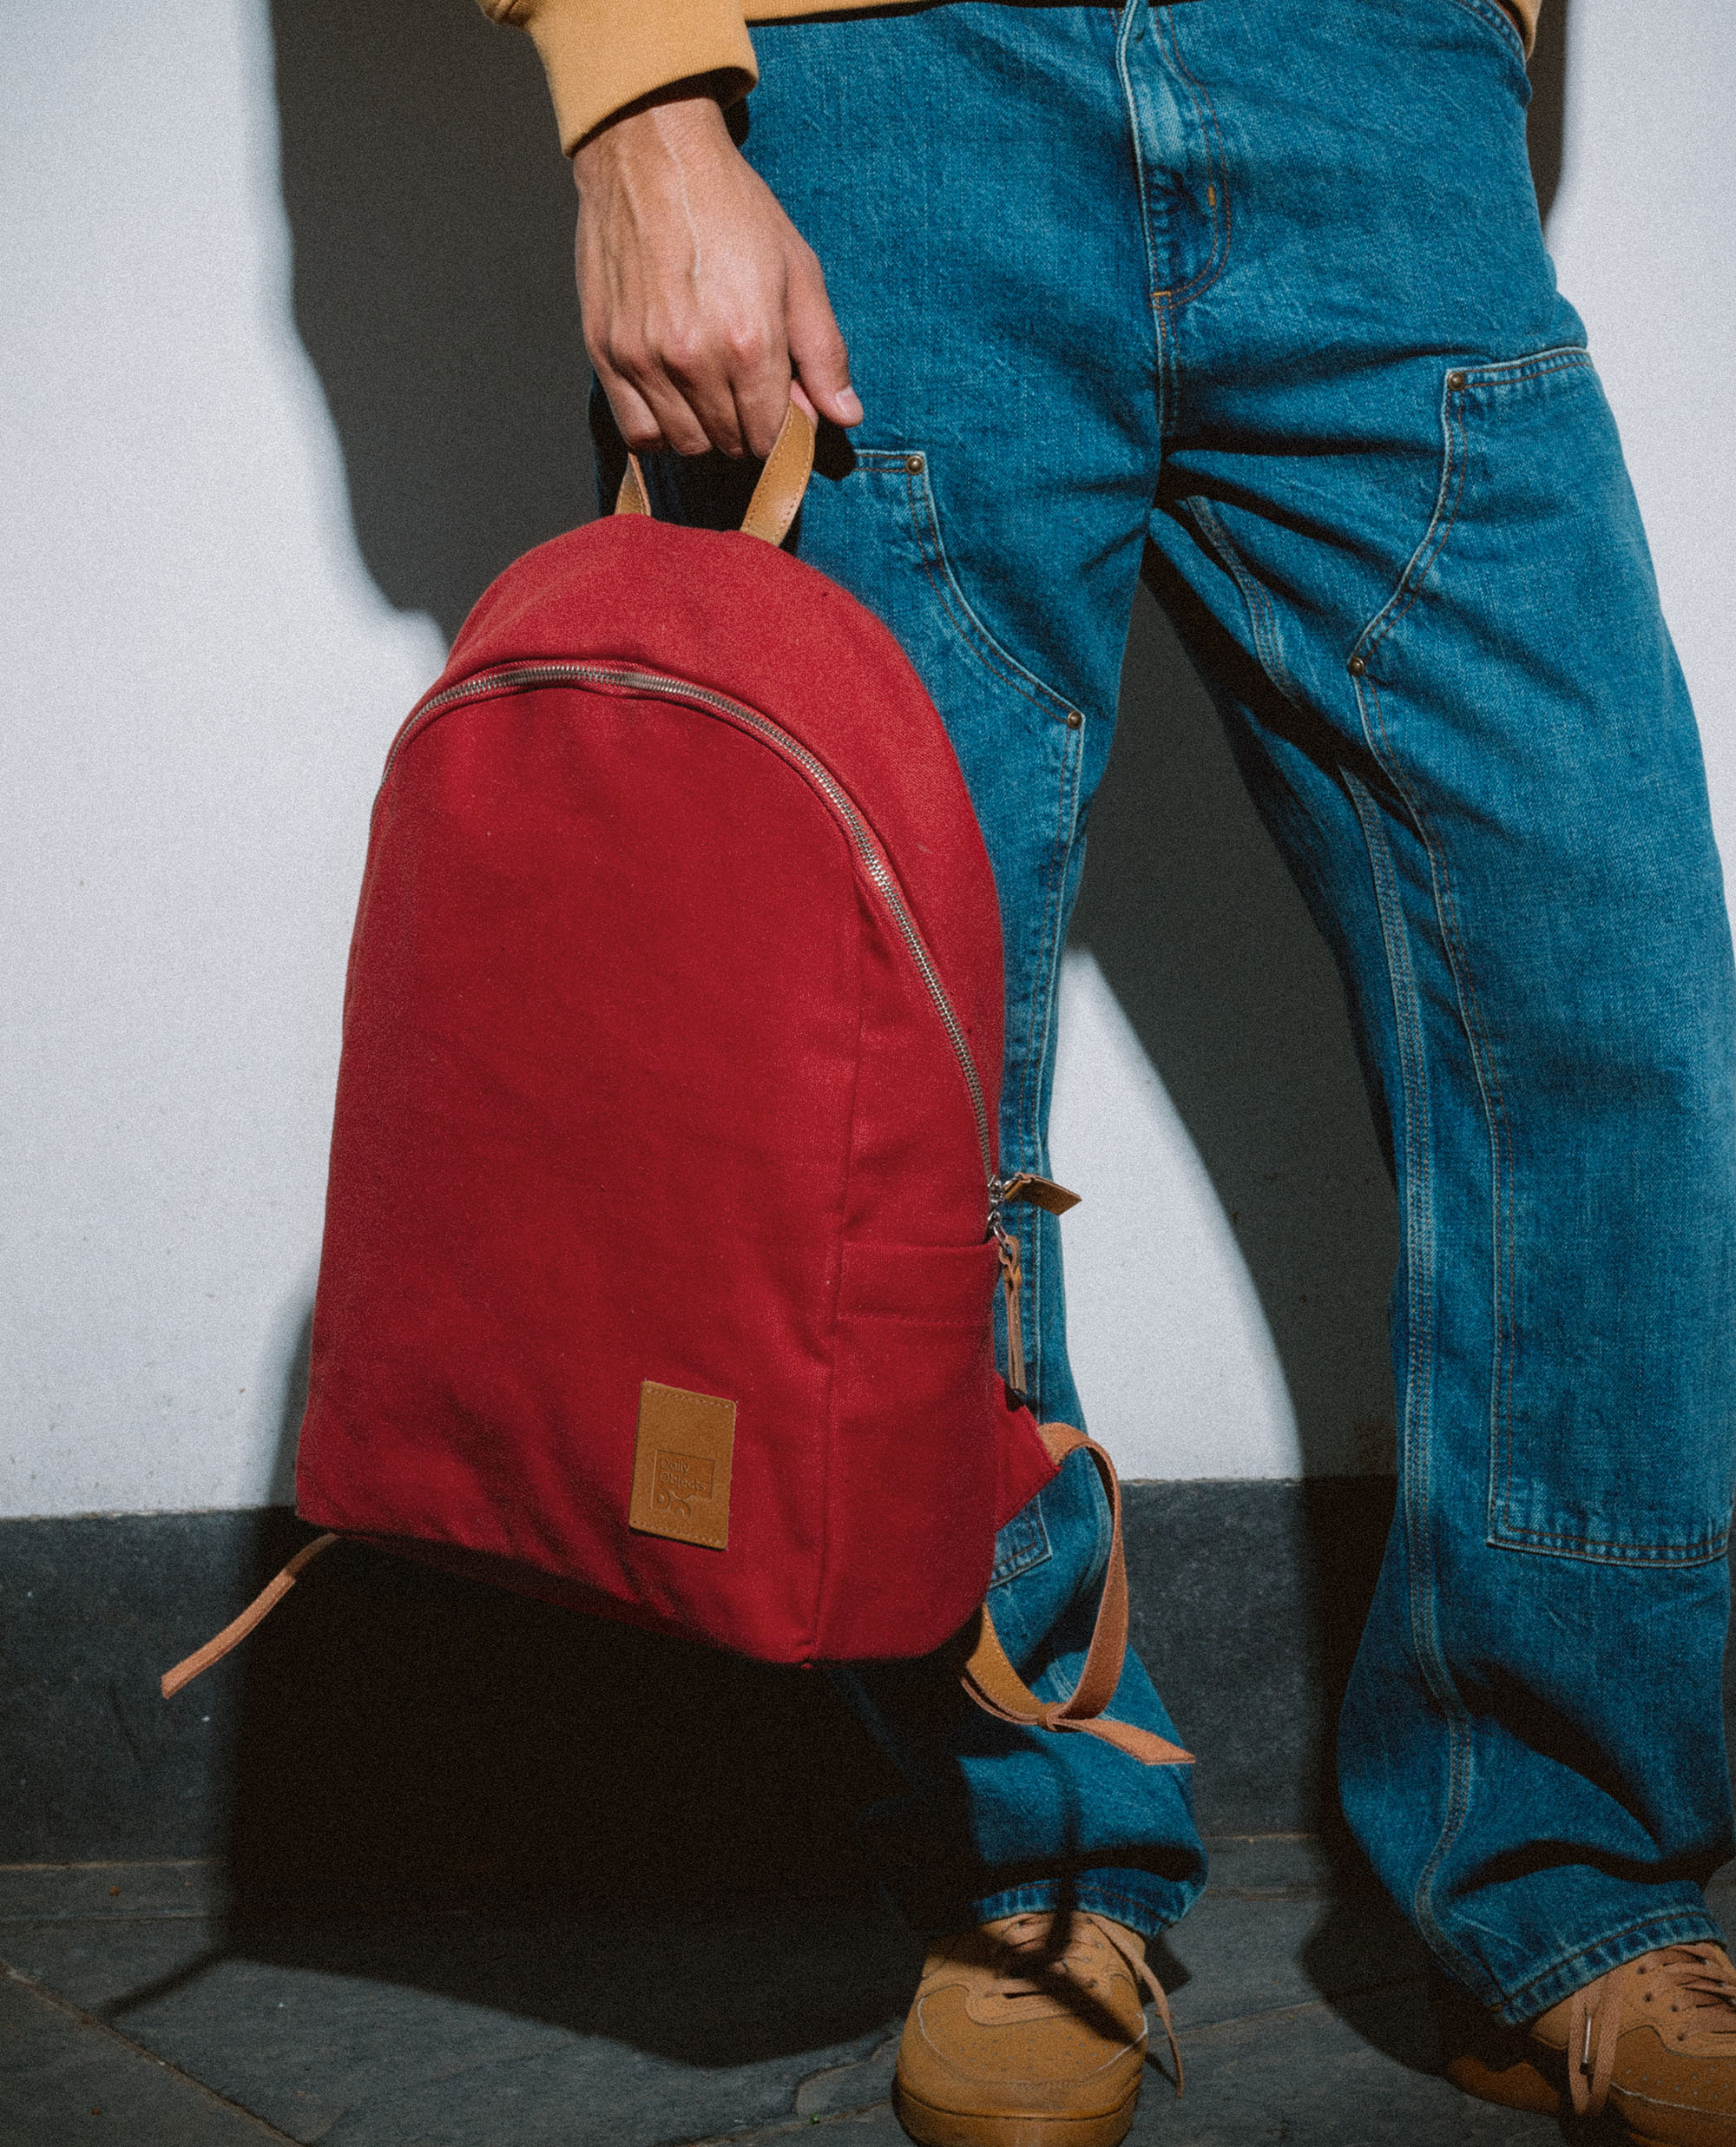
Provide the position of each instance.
(664, 1215)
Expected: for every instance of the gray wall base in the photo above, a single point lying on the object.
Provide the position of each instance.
(388, 1727)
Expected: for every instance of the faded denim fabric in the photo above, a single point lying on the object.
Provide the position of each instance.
(1250, 296)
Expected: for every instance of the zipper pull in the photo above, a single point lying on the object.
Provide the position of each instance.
(1043, 1192)
(1012, 1281)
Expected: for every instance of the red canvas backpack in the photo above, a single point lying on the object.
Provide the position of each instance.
(664, 1216)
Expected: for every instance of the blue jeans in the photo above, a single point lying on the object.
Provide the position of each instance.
(1251, 295)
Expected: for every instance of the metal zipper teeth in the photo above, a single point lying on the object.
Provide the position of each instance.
(522, 677)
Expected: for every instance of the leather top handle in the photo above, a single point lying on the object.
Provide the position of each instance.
(776, 497)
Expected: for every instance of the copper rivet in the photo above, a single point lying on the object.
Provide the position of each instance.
(1075, 720)
(1456, 381)
(1356, 667)
(913, 462)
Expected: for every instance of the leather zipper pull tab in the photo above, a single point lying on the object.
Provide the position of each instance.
(1012, 1283)
(1043, 1192)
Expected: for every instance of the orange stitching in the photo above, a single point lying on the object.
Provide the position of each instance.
(1420, 567)
(1696, 1553)
(1220, 253)
(1411, 583)
(975, 637)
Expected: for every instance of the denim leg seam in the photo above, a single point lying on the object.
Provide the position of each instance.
(1419, 1265)
(931, 551)
(1256, 600)
(1504, 1232)
(1042, 1001)
(1489, 1084)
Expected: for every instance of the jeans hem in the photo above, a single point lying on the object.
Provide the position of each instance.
(1572, 1973)
(1136, 1906)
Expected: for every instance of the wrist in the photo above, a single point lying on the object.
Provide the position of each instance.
(679, 113)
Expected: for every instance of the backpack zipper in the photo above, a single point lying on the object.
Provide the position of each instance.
(524, 677)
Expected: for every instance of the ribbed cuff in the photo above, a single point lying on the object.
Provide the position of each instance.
(600, 55)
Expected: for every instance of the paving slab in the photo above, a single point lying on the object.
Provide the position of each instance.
(458, 2028)
(1355, 2074)
(1299, 1995)
(66, 2081)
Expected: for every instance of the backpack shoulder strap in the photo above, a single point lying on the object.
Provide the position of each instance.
(238, 1629)
(993, 1683)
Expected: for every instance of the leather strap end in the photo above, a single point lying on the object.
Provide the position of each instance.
(1144, 1745)
(1043, 1192)
(238, 1629)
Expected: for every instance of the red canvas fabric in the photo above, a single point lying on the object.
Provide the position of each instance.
(640, 1081)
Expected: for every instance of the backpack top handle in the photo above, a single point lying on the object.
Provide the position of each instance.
(776, 497)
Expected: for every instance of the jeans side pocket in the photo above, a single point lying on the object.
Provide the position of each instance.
(1519, 690)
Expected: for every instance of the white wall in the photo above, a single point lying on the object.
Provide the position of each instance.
(198, 686)
(200, 677)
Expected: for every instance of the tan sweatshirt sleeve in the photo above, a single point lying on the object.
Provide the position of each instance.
(600, 55)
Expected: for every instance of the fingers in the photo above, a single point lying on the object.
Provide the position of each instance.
(762, 397)
(737, 378)
(817, 345)
(632, 416)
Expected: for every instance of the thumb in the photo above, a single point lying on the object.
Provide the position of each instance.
(817, 352)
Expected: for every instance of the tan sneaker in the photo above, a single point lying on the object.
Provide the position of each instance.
(1654, 2041)
(1029, 2032)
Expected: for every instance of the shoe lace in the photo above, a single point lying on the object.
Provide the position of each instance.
(1691, 1979)
(1037, 1963)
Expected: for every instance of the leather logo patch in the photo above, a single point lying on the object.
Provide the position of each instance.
(681, 1465)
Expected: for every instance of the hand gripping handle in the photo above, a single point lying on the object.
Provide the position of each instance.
(776, 497)
(995, 1686)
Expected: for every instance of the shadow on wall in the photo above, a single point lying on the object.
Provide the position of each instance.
(431, 215)
(432, 219)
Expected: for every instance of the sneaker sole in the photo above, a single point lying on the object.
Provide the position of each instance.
(961, 2128)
